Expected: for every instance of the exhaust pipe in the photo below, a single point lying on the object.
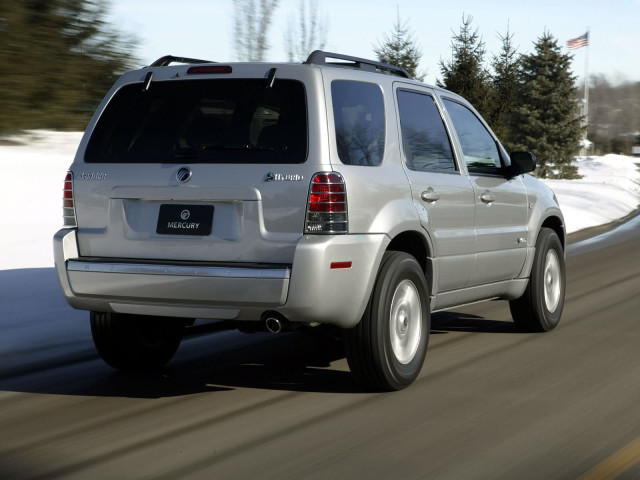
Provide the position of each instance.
(274, 325)
(275, 322)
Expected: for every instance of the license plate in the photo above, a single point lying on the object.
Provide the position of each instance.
(185, 219)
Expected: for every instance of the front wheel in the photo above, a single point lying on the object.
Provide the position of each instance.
(540, 308)
(135, 342)
(387, 348)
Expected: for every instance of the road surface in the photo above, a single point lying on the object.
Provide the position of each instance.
(490, 402)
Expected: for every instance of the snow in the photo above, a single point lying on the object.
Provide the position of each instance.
(608, 190)
(35, 164)
(31, 196)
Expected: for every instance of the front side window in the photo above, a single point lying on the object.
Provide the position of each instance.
(358, 112)
(425, 139)
(478, 146)
(203, 121)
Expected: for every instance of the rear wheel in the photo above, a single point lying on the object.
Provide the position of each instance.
(387, 348)
(135, 342)
(540, 308)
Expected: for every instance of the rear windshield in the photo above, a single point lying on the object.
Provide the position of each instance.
(203, 121)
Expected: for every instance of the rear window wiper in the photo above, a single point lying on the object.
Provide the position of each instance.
(186, 153)
(194, 152)
(242, 147)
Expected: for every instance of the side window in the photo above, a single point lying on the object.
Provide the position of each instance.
(425, 139)
(480, 149)
(358, 112)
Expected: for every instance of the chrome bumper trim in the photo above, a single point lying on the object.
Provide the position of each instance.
(179, 270)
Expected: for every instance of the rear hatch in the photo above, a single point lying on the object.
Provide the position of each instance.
(198, 167)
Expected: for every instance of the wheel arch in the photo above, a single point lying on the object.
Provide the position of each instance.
(557, 225)
(415, 244)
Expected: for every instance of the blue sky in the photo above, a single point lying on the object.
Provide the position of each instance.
(204, 28)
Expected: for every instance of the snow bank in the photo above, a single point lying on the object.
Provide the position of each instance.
(34, 170)
(31, 196)
(609, 190)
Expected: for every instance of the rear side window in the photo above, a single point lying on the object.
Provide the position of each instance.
(426, 143)
(358, 112)
(203, 121)
(478, 146)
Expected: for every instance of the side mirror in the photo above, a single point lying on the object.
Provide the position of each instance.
(521, 162)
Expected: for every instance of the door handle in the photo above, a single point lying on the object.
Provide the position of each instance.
(430, 196)
(487, 197)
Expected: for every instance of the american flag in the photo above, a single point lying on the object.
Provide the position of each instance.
(579, 42)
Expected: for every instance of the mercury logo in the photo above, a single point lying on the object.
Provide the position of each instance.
(185, 214)
(183, 175)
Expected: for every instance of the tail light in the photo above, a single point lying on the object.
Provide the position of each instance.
(68, 203)
(327, 205)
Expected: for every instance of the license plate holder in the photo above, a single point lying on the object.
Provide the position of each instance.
(185, 219)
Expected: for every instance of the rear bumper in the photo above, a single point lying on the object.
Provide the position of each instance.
(309, 290)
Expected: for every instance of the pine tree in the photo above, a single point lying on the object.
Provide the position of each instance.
(505, 85)
(400, 49)
(57, 61)
(14, 48)
(465, 74)
(545, 116)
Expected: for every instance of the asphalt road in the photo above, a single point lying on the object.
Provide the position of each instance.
(491, 403)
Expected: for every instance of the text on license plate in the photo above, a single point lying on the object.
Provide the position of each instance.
(185, 219)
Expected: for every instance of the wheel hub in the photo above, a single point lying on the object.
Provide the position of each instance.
(405, 326)
(403, 322)
(552, 281)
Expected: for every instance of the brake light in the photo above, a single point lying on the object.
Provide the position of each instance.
(210, 69)
(68, 203)
(327, 205)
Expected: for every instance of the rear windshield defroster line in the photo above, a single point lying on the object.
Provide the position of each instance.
(203, 121)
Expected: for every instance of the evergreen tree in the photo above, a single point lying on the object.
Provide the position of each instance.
(465, 74)
(14, 48)
(505, 85)
(57, 61)
(545, 115)
(400, 49)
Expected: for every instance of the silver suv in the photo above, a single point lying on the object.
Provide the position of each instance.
(338, 191)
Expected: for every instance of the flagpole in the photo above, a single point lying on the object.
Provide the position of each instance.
(586, 87)
(573, 44)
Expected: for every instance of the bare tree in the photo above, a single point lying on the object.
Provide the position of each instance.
(310, 33)
(252, 19)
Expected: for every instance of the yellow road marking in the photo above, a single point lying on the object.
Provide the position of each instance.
(616, 464)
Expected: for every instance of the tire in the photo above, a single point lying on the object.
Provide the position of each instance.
(540, 307)
(135, 342)
(387, 348)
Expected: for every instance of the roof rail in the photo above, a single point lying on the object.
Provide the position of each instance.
(319, 57)
(169, 59)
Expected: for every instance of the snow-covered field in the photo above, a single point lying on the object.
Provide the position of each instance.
(31, 205)
(31, 196)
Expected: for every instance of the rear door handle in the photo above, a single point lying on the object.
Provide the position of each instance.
(487, 197)
(430, 196)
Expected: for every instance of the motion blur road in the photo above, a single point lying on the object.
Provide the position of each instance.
(490, 402)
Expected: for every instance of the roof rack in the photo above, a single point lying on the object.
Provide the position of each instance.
(169, 59)
(320, 57)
